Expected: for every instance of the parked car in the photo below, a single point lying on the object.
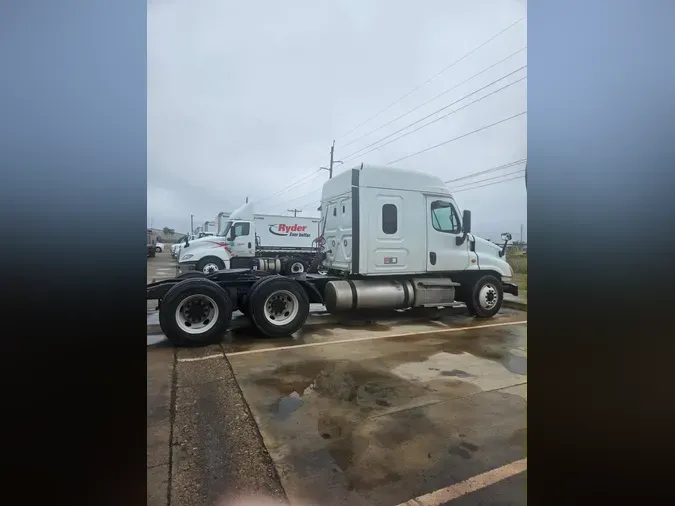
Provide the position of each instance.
(159, 247)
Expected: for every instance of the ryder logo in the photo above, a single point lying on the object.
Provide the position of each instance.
(289, 230)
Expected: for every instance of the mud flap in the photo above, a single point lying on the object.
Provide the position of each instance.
(510, 288)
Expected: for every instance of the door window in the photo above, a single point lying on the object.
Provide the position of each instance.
(444, 218)
(240, 229)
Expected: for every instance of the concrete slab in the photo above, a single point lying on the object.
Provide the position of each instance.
(159, 387)
(383, 421)
(158, 444)
(158, 483)
(513, 302)
(217, 451)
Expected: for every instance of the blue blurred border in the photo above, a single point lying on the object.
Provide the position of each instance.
(601, 191)
(73, 207)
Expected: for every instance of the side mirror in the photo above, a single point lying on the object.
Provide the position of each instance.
(506, 238)
(466, 222)
(466, 228)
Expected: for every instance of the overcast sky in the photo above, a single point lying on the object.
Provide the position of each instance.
(245, 98)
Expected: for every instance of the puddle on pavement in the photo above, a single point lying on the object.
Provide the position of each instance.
(244, 336)
(287, 405)
(372, 384)
(515, 363)
(368, 454)
(493, 344)
(351, 420)
(157, 340)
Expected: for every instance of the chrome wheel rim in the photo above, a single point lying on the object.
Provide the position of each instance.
(281, 307)
(197, 314)
(488, 296)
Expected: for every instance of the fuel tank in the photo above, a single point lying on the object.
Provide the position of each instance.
(345, 295)
(269, 264)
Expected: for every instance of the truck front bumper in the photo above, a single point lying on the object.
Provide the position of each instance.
(184, 267)
(510, 288)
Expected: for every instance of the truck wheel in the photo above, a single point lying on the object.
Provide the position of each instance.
(295, 265)
(485, 297)
(195, 312)
(210, 265)
(158, 250)
(278, 306)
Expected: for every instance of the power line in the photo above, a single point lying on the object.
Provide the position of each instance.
(486, 171)
(491, 178)
(433, 77)
(309, 176)
(306, 179)
(500, 167)
(461, 187)
(441, 117)
(489, 184)
(437, 96)
(457, 138)
(296, 198)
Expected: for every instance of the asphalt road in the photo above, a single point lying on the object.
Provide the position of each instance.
(366, 412)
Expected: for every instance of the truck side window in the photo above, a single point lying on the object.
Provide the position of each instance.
(444, 217)
(240, 229)
(389, 219)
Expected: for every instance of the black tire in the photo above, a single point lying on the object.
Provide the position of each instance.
(192, 275)
(158, 250)
(177, 294)
(208, 261)
(291, 265)
(482, 309)
(259, 297)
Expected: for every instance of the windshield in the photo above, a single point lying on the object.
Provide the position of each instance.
(226, 229)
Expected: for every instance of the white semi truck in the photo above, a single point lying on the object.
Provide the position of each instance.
(390, 239)
(255, 241)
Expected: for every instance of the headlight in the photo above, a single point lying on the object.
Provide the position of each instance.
(186, 257)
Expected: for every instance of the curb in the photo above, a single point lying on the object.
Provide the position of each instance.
(515, 304)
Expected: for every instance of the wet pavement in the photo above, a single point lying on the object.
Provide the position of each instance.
(381, 421)
(161, 266)
(379, 409)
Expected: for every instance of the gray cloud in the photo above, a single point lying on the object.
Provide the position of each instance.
(244, 98)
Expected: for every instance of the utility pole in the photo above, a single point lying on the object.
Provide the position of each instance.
(521, 233)
(332, 162)
(294, 211)
(192, 223)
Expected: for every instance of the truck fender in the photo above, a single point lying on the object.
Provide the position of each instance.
(312, 292)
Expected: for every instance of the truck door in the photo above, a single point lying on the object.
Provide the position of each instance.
(443, 228)
(242, 241)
